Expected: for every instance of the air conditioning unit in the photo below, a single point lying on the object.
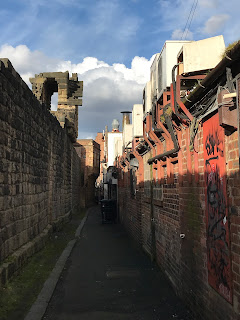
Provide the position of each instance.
(201, 55)
(166, 61)
(127, 136)
(112, 137)
(147, 101)
(137, 120)
(154, 77)
(118, 147)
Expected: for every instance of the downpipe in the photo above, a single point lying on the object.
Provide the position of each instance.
(173, 136)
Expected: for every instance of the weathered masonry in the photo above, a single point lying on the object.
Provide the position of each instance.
(180, 200)
(69, 97)
(89, 153)
(39, 167)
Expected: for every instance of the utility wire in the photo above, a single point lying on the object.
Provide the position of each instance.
(189, 19)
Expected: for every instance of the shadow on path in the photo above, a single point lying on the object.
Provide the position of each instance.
(106, 277)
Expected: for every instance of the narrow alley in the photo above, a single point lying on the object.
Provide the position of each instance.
(170, 174)
(107, 277)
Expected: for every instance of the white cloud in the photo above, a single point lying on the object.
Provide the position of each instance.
(215, 23)
(110, 30)
(209, 3)
(108, 89)
(140, 68)
(27, 62)
(71, 28)
(178, 34)
(89, 63)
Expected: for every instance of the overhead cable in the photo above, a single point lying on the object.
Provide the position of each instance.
(189, 19)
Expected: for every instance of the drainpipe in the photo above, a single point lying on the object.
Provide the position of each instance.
(237, 101)
(145, 132)
(179, 101)
(173, 136)
(155, 121)
(120, 163)
(140, 160)
(197, 94)
(124, 156)
(174, 104)
(121, 166)
(149, 143)
(155, 138)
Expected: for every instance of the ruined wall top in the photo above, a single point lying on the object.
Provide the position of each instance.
(70, 92)
(69, 89)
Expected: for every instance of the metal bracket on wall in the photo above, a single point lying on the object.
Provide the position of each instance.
(230, 83)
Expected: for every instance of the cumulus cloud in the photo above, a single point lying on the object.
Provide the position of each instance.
(215, 23)
(28, 62)
(108, 89)
(89, 63)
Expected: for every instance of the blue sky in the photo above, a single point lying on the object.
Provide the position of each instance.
(109, 43)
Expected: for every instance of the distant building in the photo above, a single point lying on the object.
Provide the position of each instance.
(89, 153)
(108, 142)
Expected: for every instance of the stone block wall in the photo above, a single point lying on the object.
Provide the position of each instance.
(39, 168)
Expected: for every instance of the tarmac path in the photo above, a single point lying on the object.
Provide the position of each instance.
(107, 278)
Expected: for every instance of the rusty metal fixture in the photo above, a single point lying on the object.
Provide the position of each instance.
(173, 136)
(213, 76)
(227, 110)
(175, 91)
(140, 160)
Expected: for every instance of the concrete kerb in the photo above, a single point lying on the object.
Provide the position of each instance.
(40, 305)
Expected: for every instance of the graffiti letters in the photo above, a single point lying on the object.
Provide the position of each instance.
(213, 145)
(218, 251)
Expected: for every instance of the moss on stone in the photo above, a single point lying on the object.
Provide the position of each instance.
(19, 294)
(229, 48)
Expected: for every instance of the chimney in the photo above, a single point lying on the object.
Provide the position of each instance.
(126, 118)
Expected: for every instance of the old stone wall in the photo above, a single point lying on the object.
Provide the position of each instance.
(201, 201)
(39, 168)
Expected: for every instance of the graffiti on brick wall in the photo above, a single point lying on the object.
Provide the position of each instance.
(218, 244)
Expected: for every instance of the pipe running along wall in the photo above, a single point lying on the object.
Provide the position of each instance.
(140, 161)
(173, 136)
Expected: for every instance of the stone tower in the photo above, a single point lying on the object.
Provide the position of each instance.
(70, 92)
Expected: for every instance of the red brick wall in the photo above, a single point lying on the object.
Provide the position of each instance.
(89, 153)
(156, 224)
(99, 139)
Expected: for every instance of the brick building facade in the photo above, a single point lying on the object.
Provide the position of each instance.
(89, 152)
(184, 209)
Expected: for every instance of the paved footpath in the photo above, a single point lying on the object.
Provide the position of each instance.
(107, 278)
